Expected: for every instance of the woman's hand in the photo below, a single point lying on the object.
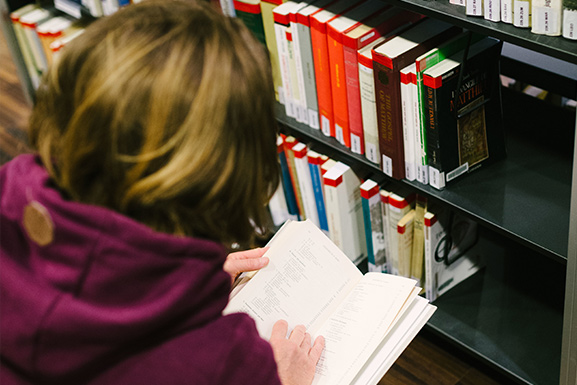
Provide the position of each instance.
(295, 357)
(242, 261)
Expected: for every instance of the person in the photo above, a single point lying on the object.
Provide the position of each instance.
(155, 153)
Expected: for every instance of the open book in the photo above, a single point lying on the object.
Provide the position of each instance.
(367, 320)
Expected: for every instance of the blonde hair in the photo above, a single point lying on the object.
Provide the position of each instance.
(164, 112)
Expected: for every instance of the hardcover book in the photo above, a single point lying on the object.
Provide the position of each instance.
(366, 320)
(451, 255)
(286, 179)
(305, 182)
(374, 233)
(405, 232)
(400, 202)
(388, 59)
(386, 23)
(250, 13)
(319, 22)
(266, 8)
(315, 161)
(335, 31)
(464, 120)
(569, 27)
(546, 17)
(522, 13)
(344, 211)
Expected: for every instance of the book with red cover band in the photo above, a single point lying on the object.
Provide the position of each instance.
(388, 59)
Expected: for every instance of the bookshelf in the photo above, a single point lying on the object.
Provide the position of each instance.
(519, 315)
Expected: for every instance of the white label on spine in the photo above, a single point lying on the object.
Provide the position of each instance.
(569, 24)
(355, 144)
(506, 15)
(387, 165)
(339, 134)
(325, 125)
(522, 13)
(545, 20)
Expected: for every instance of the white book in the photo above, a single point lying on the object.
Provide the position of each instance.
(408, 122)
(278, 208)
(344, 211)
(450, 252)
(400, 203)
(305, 182)
(474, 7)
(366, 320)
(374, 233)
(295, 91)
(507, 11)
(492, 10)
(30, 22)
(384, 194)
(281, 15)
(546, 17)
(522, 13)
(368, 101)
(457, 2)
(569, 23)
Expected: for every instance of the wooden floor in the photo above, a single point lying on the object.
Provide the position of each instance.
(427, 361)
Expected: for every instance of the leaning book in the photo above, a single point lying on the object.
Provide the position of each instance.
(367, 320)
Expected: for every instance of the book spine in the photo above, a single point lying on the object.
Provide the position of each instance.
(307, 64)
(507, 11)
(405, 243)
(369, 111)
(318, 188)
(418, 252)
(522, 13)
(569, 21)
(289, 144)
(373, 219)
(431, 234)
(295, 87)
(270, 39)
(421, 171)
(407, 119)
(389, 120)
(338, 88)
(287, 183)
(283, 56)
(305, 183)
(354, 99)
(251, 16)
(492, 10)
(457, 2)
(436, 175)
(323, 77)
(474, 7)
(26, 52)
(302, 116)
(385, 256)
(278, 208)
(546, 17)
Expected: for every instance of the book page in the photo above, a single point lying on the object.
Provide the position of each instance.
(359, 324)
(305, 280)
(403, 332)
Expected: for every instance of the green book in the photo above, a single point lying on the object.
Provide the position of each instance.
(250, 13)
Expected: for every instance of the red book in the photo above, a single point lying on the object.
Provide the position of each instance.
(388, 59)
(319, 22)
(385, 23)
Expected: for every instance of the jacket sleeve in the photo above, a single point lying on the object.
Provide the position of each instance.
(251, 360)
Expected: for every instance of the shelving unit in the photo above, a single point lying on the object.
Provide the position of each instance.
(518, 315)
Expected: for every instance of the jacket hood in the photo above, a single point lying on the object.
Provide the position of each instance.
(81, 284)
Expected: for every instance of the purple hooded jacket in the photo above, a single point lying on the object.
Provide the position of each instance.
(89, 296)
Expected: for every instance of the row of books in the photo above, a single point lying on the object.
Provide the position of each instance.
(393, 228)
(94, 8)
(41, 33)
(543, 17)
(417, 96)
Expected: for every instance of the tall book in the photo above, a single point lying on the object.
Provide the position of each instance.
(281, 17)
(335, 30)
(305, 182)
(289, 143)
(569, 27)
(318, 21)
(385, 23)
(405, 234)
(52, 30)
(451, 251)
(30, 22)
(418, 252)
(344, 211)
(423, 62)
(384, 195)
(300, 26)
(23, 45)
(374, 233)
(315, 161)
(464, 116)
(250, 13)
(295, 89)
(408, 120)
(546, 17)
(388, 59)
(286, 179)
(266, 8)
(400, 202)
(367, 319)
